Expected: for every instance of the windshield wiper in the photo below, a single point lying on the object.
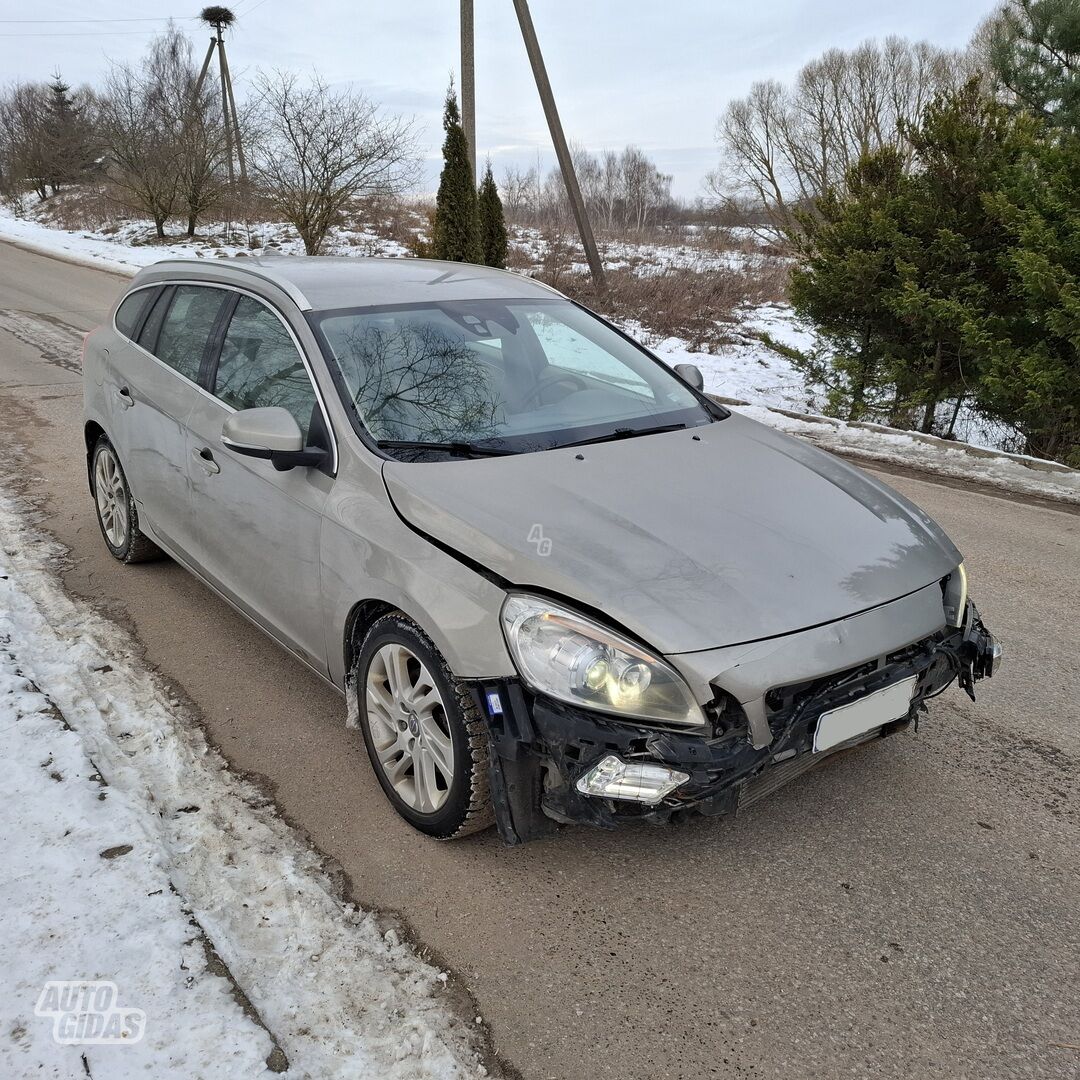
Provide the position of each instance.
(626, 433)
(457, 449)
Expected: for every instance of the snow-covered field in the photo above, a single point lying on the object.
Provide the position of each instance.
(746, 369)
(134, 857)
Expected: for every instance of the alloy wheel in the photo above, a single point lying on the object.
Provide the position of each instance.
(112, 499)
(409, 728)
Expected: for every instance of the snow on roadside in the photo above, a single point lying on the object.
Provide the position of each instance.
(746, 368)
(131, 851)
(127, 249)
(771, 387)
(1007, 472)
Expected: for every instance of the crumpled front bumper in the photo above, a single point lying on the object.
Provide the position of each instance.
(541, 748)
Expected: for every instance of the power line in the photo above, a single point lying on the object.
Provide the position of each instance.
(87, 33)
(245, 14)
(160, 18)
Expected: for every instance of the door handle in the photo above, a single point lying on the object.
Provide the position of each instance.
(123, 395)
(205, 458)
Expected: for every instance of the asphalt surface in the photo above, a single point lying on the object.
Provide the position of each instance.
(911, 909)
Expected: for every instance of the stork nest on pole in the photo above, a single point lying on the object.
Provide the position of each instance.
(218, 17)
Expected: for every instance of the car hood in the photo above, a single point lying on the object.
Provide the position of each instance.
(696, 539)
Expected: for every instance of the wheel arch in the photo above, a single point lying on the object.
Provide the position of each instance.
(361, 616)
(92, 431)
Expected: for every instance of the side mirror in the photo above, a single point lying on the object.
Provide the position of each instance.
(271, 434)
(691, 373)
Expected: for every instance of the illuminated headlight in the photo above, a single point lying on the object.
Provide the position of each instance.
(572, 658)
(955, 596)
(640, 781)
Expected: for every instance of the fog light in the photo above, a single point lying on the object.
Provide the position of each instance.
(639, 781)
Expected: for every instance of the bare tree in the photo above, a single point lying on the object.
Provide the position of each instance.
(194, 123)
(645, 188)
(518, 189)
(316, 150)
(141, 145)
(789, 144)
(164, 144)
(610, 188)
(24, 139)
(622, 190)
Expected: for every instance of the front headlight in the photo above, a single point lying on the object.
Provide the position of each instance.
(955, 592)
(569, 657)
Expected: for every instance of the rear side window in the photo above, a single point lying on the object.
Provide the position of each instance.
(186, 328)
(259, 365)
(130, 311)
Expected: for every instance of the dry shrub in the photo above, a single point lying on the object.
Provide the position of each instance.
(697, 306)
(78, 208)
(393, 218)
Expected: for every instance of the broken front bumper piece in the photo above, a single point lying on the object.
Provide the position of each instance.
(553, 763)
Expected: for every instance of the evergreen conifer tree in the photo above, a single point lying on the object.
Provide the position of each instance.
(493, 240)
(457, 219)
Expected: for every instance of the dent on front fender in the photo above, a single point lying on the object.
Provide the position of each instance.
(368, 553)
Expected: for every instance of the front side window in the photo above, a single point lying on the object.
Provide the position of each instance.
(259, 365)
(528, 374)
(186, 328)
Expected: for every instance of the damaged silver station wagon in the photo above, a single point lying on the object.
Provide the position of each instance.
(555, 581)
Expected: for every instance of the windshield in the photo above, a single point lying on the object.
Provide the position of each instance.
(519, 375)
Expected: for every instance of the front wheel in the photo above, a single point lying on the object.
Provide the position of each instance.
(424, 733)
(116, 513)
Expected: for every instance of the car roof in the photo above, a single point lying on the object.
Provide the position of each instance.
(321, 283)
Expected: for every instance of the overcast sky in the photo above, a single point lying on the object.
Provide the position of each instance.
(652, 72)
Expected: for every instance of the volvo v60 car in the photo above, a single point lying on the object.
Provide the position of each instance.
(554, 581)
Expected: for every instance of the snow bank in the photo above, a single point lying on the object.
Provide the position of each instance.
(994, 468)
(133, 854)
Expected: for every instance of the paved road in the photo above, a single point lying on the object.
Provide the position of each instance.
(911, 910)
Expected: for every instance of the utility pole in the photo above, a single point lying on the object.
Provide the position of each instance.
(468, 82)
(562, 151)
(225, 105)
(219, 18)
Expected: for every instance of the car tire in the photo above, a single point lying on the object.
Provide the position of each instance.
(117, 516)
(419, 722)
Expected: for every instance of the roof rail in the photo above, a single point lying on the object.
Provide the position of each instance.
(243, 266)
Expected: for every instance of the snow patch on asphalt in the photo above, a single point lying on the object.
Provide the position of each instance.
(133, 854)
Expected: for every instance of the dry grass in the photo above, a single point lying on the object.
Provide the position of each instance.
(698, 306)
(80, 208)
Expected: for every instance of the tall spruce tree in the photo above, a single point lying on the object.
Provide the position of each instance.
(493, 240)
(1031, 375)
(845, 280)
(1035, 56)
(67, 135)
(949, 264)
(456, 233)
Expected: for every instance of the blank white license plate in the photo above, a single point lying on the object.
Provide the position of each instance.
(880, 707)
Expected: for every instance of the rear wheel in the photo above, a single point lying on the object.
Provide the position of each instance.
(424, 733)
(116, 513)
